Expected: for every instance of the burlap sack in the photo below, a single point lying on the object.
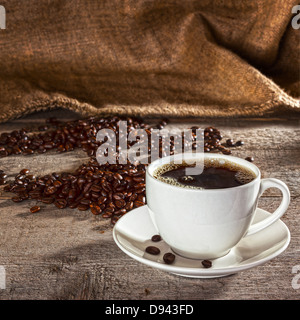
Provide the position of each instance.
(149, 57)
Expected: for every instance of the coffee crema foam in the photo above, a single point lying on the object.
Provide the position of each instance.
(243, 175)
(168, 167)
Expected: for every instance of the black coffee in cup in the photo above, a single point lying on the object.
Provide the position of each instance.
(217, 174)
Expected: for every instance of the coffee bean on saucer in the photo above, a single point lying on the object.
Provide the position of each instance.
(156, 238)
(250, 159)
(206, 263)
(169, 258)
(153, 250)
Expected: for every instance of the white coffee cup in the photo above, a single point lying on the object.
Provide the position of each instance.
(207, 223)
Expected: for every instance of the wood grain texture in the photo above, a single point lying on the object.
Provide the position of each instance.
(69, 254)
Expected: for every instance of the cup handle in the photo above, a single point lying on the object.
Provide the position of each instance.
(264, 185)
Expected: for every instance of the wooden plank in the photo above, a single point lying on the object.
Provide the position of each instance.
(56, 255)
(68, 254)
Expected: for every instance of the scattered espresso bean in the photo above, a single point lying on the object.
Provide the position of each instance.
(239, 143)
(156, 238)
(169, 258)
(153, 250)
(3, 175)
(250, 159)
(35, 209)
(206, 263)
(229, 142)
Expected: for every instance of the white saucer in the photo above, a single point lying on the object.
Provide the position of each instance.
(133, 232)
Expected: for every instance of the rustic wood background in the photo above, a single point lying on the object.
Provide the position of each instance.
(69, 254)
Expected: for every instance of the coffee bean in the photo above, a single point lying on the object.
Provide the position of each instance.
(48, 200)
(229, 142)
(60, 203)
(57, 184)
(96, 188)
(19, 189)
(139, 185)
(114, 220)
(129, 205)
(96, 210)
(156, 238)
(120, 212)
(3, 175)
(50, 190)
(49, 145)
(24, 171)
(120, 203)
(118, 196)
(226, 151)
(35, 209)
(138, 179)
(250, 159)
(138, 204)
(82, 207)
(108, 213)
(118, 176)
(206, 263)
(102, 199)
(239, 143)
(43, 128)
(28, 152)
(169, 258)
(86, 202)
(72, 193)
(17, 199)
(153, 250)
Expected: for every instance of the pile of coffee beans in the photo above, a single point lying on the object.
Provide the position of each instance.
(62, 136)
(108, 189)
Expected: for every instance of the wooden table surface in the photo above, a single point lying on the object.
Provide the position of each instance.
(70, 254)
